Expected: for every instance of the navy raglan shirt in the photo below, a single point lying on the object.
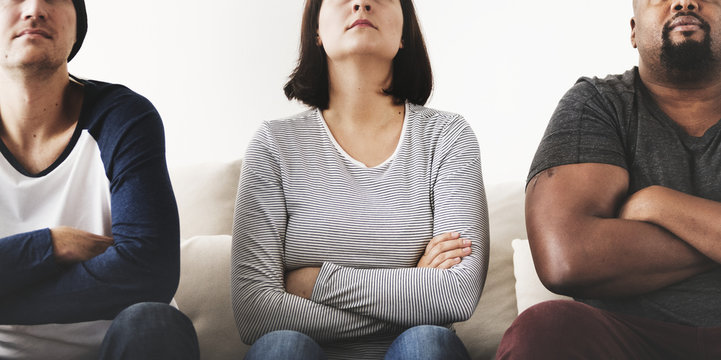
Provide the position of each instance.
(112, 180)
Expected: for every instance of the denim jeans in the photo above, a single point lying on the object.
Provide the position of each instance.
(150, 331)
(287, 345)
(427, 342)
(417, 343)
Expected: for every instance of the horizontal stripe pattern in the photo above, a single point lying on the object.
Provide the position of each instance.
(302, 201)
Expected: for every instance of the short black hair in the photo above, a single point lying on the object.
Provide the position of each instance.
(412, 76)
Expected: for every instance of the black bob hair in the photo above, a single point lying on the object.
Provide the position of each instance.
(412, 76)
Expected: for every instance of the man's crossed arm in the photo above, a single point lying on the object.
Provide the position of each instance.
(590, 241)
(72, 246)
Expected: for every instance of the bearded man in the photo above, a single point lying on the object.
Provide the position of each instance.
(623, 202)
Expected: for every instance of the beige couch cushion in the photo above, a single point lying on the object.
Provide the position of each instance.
(497, 307)
(204, 296)
(206, 197)
(529, 289)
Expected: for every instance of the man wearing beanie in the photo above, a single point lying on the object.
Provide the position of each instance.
(89, 237)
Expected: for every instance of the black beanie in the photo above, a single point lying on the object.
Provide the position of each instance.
(82, 26)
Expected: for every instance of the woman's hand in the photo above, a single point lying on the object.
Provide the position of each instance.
(445, 250)
(301, 281)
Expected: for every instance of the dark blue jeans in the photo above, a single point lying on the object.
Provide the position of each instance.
(286, 345)
(427, 342)
(150, 331)
(417, 343)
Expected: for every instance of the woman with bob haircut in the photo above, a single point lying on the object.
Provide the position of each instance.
(361, 226)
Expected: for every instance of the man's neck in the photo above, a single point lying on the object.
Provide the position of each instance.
(34, 108)
(694, 106)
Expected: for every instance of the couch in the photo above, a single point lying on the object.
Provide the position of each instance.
(206, 194)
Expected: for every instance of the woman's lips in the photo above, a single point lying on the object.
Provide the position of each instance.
(362, 23)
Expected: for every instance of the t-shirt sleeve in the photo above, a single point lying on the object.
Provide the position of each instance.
(260, 302)
(416, 296)
(583, 129)
(143, 264)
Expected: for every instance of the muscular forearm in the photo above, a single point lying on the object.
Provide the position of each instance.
(581, 245)
(692, 219)
(616, 258)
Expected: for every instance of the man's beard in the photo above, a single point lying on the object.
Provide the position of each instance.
(689, 60)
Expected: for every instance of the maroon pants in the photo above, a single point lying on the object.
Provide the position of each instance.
(573, 330)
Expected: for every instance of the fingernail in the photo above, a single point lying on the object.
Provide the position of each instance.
(455, 234)
(466, 250)
(466, 242)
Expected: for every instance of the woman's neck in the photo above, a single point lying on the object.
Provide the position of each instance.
(357, 93)
(364, 120)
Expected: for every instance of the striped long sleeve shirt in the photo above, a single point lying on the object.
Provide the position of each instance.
(302, 201)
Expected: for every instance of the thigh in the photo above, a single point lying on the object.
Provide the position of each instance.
(710, 343)
(572, 330)
(427, 342)
(285, 344)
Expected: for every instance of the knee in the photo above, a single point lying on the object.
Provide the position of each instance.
(427, 342)
(150, 330)
(150, 318)
(285, 344)
(547, 316)
(160, 313)
(546, 328)
(426, 333)
(140, 310)
(283, 336)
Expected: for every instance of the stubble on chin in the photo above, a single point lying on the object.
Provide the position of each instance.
(39, 65)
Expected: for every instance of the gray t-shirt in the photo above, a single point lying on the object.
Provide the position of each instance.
(615, 121)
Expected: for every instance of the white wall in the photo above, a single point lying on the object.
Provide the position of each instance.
(215, 68)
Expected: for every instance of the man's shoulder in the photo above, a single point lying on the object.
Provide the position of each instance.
(103, 97)
(612, 87)
(109, 106)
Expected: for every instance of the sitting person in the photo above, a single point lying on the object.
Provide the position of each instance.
(361, 226)
(623, 198)
(89, 236)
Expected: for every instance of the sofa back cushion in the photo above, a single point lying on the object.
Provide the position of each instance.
(497, 308)
(206, 197)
